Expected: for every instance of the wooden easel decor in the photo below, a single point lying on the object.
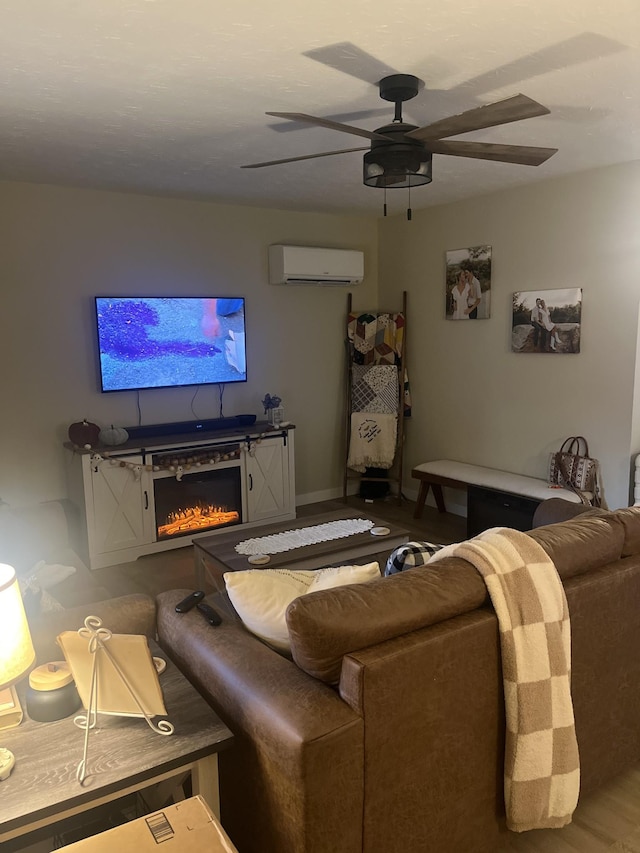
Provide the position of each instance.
(115, 674)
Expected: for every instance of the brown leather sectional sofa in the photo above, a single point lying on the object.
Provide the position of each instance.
(385, 733)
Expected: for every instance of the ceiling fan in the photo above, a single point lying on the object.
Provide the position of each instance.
(400, 154)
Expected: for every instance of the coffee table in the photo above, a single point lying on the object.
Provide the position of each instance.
(215, 555)
(125, 755)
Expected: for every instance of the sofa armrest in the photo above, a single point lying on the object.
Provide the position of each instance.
(554, 510)
(297, 765)
(129, 614)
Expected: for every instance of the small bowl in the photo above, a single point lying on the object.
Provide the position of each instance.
(246, 420)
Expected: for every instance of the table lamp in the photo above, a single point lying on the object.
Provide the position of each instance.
(17, 655)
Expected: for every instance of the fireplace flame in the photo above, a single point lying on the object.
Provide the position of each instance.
(196, 518)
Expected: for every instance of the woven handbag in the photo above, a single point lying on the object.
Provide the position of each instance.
(573, 468)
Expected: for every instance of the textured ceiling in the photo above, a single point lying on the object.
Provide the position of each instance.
(169, 96)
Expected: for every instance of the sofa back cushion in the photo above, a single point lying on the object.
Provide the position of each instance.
(583, 543)
(325, 626)
(629, 518)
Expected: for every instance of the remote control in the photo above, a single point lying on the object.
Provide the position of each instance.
(209, 614)
(189, 602)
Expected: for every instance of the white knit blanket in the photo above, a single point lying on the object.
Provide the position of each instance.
(372, 442)
(276, 543)
(541, 767)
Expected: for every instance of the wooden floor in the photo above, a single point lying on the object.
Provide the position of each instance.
(606, 821)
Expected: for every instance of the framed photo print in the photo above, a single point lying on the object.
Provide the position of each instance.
(547, 321)
(468, 283)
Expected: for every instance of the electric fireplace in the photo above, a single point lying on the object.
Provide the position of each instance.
(191, 501)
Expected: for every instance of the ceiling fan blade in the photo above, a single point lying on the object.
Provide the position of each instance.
(304, 157)
(523, 155)
(510, 109)
(332, 125)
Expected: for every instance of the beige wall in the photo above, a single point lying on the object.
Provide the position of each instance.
(476, 401)
(61, 247)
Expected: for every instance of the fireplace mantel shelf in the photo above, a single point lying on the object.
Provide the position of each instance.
(120, 491)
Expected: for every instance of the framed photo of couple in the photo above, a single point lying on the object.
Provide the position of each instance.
(468, 283)
(547, 321)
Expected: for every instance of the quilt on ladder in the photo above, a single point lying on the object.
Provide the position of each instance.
(374, 388)
(372, 441)
(379, 339)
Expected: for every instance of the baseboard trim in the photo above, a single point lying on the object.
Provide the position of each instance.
(318, 497)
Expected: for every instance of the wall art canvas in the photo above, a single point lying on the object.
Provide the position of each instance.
(468, 283)
(547, 321)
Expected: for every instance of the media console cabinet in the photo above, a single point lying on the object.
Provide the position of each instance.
(153, 494)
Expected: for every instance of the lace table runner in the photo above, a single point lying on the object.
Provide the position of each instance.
(290, 539)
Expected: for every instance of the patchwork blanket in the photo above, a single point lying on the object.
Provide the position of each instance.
(541, 770)
(379, 339)
(374, 388)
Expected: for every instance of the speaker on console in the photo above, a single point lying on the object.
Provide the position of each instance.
(182, 428)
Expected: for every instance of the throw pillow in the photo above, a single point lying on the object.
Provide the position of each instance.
(409, 555)
(261, 596)
(343, 575)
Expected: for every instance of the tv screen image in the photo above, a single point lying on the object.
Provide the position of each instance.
(160, 342)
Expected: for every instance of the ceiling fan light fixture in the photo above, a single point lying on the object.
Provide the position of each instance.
(385, 167)
(401, 154)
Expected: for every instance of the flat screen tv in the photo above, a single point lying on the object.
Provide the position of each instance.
(162, 342)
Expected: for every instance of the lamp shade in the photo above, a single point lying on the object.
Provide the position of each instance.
(17, 655)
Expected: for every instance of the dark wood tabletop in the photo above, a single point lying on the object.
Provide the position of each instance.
(123, 752)
(221, 547)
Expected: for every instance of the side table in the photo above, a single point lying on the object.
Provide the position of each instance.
(125, 755)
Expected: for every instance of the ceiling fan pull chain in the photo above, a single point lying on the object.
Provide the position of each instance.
(384, 207)
(409, 208)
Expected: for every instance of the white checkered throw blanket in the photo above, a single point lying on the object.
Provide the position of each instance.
(542, 769)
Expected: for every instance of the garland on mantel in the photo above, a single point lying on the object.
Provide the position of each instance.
(180, 463)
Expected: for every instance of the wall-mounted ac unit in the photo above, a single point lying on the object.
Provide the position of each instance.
(310, 265)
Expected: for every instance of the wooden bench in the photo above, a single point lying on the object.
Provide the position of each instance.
(460, 475)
